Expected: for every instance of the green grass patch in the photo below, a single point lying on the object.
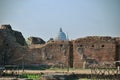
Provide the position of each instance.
(31, 76)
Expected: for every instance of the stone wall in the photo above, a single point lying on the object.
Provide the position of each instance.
(6, 27)
(117, 57)
(11, 43)
(12, 35)
(93, 50)
(36, 40)
(79, 53)
(54, 54)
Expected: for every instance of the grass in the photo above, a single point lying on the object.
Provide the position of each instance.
(31, 76)
(38, 77)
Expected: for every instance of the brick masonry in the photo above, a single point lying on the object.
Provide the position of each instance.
(79, 53)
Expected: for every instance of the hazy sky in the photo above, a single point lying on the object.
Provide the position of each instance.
(78, 18)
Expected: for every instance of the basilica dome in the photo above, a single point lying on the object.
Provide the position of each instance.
(61, 35)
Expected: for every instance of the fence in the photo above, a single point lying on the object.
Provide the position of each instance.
(105, 73)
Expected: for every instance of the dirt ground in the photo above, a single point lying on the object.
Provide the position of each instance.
(79, 71)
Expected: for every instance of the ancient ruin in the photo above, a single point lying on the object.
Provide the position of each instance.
(79, 53)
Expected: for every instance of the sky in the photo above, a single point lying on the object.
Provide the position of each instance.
(77, 18)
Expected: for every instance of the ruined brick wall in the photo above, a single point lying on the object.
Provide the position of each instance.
(36, 40)
(11, 43)
(90, 50)
(117, 58)
(55, 53)
(82, 52)
(2, 47)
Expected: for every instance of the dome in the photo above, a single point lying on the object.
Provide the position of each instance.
(61, 35)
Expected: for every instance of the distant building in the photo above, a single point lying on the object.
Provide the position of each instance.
(60, 36)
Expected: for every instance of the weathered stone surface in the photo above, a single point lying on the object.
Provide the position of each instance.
(55, 54)
(93, 50)
(10, 40)
(79, 53)
(12, 35)
(36, 40)
(6, 27)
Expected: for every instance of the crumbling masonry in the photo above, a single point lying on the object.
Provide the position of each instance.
(79, 53)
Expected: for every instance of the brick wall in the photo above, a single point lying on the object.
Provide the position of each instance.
(55, 53)
(90, 50)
